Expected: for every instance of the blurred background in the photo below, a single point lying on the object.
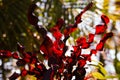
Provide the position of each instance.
(14, 27)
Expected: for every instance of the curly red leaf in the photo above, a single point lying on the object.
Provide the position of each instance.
(100, 29)
(105, 19)
(100, 46)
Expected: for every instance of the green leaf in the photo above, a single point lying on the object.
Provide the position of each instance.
(102, 69)
(98, 75)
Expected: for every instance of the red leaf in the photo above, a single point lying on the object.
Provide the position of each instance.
(37, 73)
(58, 48)
(105, 19)
(58, 52)
(100, 29)
(80, 41)
(93, 51)
(87, 57)
(69, 30)
(52, 61)
(91, 38)
(75, 48)
(88, 6)
(5, 53)
(61, 68)
(32, 18)
(60, 23)
(85, 45)
(20, 62)
(78, 17)
(100, 46)
(20, 48)
(81, 63)
(106, 36)
(33, 60)
(46, 46)
(24, 72)
(69, 60)
(77, 51)
(56, 33)
(15, 55)
(27, 60)
(39, 67)
(8, 54)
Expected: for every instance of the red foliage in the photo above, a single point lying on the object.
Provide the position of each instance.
(91, 38)
(100, 46)
(100, 29)
(54, 51)
(15, 55)
(105, 19)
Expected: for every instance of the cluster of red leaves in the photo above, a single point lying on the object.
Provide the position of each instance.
(61, 66)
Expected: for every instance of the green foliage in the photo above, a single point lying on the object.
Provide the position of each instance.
(14, 25)
(101, 73)
(98, 75)
(71, 0)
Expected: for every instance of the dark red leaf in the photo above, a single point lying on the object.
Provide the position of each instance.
(32, 18)
(37, 73)
(77, 51)
(33, 60)
(42, 31)
(52, 76)
(69, 30)
(88, 6)
(5, 53)
(20, 62)
(47, 74)
(106, 36)
(14, 76)
(8, 54)
(69, 60)
(39, 67)
(27, 55)
(52, 61)
(20, 48)
(27, 60)
(46, 46)
(15, 55)
(80, 73)
(105, 19)
(86, 57)
(78, 17)
(60, 23)
(100, 29)
(60, 70)
(100, 46)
